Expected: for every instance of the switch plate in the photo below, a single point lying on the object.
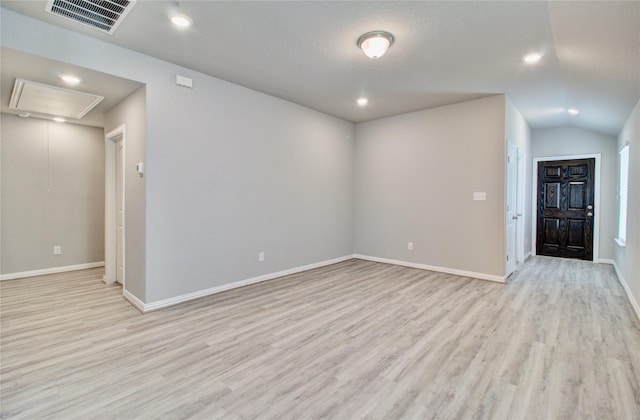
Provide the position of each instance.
(57, 250)
(410, 245)
(479, 196)
(261, 256)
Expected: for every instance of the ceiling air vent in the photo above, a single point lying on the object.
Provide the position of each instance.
(103, 15)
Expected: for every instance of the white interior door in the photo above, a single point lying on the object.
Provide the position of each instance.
(520, 228)
(119, 212)
(511, 215)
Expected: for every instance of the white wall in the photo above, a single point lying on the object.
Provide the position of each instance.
(415, 178)
(132, 114)
(627, 258)
(52, 194)
(566, 141)
(518, 132)
(229, 171)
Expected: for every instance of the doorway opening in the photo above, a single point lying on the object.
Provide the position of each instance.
(115, 216)
(566, 204)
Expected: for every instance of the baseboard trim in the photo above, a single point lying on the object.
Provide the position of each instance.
(627, 290)
(463, 273)
(159, 304)
(606, 261)
(54, 270)
(133, 300)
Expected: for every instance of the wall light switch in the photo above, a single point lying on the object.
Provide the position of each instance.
(140, 168)
(479, 196)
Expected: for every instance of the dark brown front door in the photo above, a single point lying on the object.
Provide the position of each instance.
(565, 209)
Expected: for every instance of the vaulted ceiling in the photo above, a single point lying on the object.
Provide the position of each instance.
(444, 52)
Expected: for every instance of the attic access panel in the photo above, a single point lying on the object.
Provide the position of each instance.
(45, 99)
(103, 15)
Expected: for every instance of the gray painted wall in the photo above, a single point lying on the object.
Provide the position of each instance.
(415, 178)
(132, 113)
(52, 194)
(238, 172)
(565, 141)
(229, 171)
(628, 258)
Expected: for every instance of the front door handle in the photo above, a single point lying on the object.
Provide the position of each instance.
(589, 207)
(589, 214)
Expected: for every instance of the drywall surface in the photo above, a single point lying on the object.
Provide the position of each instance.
(132, 114)
(568, 141)
(241, 173)
(230, 172)
(518, 132)
(415, 178)
(52, 194)
(627, 258)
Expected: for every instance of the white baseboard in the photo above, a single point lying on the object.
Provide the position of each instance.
(152, 306)
(137, 303)
(606, 261)
(625, 286)
(54, 270)
(463, 273)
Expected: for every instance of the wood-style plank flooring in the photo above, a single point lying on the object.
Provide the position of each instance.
(353, 340)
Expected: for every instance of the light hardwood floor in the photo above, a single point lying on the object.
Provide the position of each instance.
(352, 340)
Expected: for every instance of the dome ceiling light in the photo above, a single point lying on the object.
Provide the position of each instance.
(375, 43)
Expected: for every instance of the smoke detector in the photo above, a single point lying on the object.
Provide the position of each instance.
(103, 15)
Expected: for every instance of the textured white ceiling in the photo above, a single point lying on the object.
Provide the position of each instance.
(445, 52)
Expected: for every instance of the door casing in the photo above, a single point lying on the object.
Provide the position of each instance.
(596, 198)
(511, 208)
(111, 138)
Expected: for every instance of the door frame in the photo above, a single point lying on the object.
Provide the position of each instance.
(110, 217)
(511, 184)
(521, 171)
(596, 199)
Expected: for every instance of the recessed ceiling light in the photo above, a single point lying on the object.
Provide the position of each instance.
(362, 101)
(181, 20)
(573, 111)
(375, 43)
(24, 115)
(532, 58)
(70, 79)
(59, 119)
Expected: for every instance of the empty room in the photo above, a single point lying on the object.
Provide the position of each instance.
(319, 209)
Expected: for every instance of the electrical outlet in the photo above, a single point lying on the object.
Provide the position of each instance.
(57, 250)
(261, 256)
(410, 245)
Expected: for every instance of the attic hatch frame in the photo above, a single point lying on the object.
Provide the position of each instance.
(102, 15)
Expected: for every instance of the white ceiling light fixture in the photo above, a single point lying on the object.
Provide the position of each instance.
(375, 43)
(573, 111)
(70, 79)
(362, 101)
(59, 119)
(180, 20)
(532, 58)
